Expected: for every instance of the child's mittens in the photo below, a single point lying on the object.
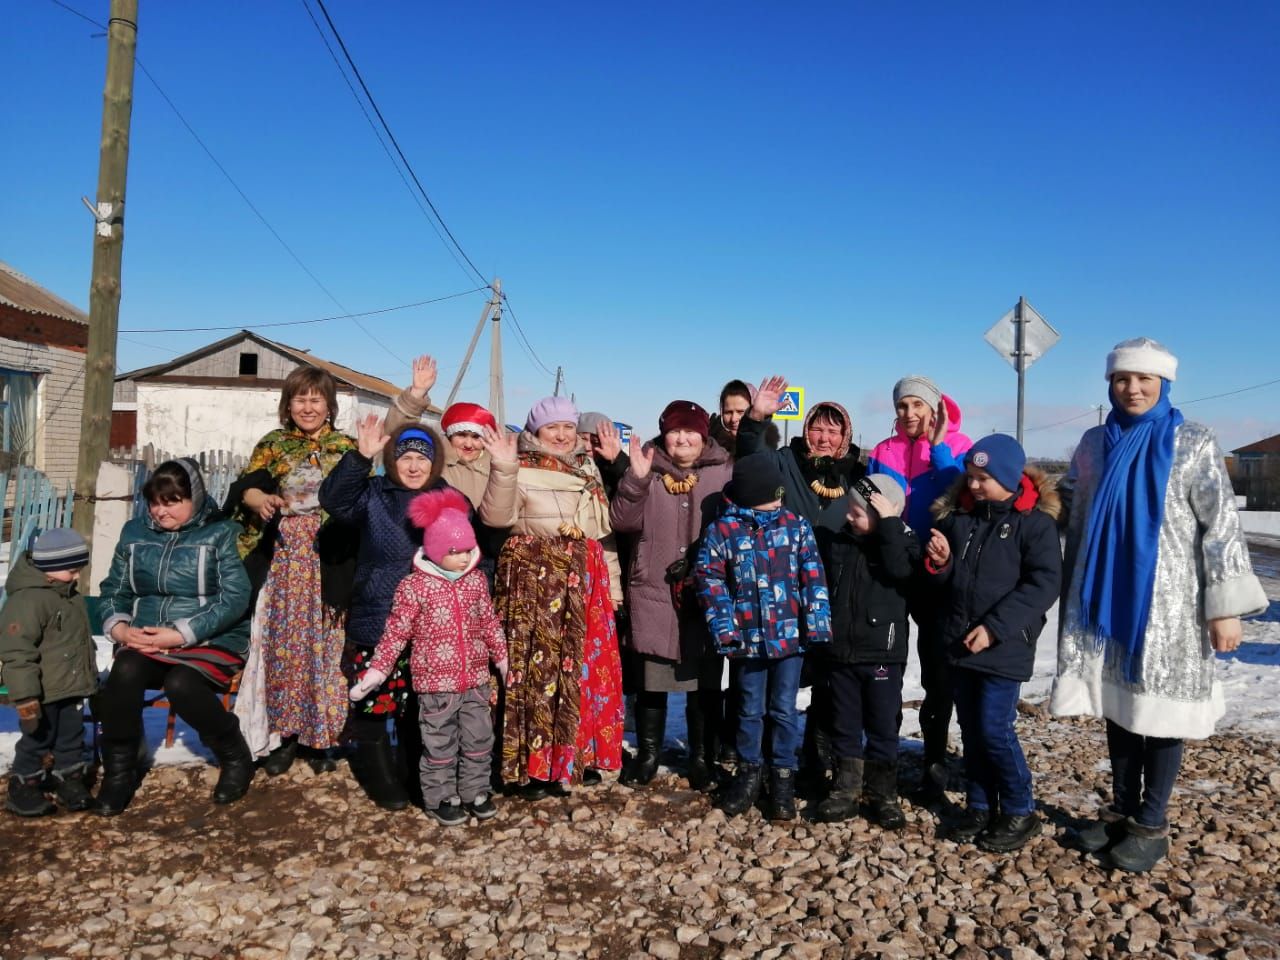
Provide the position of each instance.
(503, 668)
(368, 683)
(28, 715)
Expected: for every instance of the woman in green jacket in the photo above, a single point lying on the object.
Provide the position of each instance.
(174, 603)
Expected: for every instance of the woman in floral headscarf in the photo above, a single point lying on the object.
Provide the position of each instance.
(556, 589)
(293, 692)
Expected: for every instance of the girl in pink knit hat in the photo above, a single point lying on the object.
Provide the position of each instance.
(449, 659)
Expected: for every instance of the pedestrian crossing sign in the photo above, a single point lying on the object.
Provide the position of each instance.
(791, 404)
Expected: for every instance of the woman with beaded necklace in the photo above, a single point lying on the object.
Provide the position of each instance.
(818, 469)
(670, 485)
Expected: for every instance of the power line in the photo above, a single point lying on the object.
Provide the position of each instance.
(243, 196)
(297, 323)
(1183, 403)
(381, 140)
(392, 137)
(528, 346)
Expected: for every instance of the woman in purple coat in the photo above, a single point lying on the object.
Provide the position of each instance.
(668, 494)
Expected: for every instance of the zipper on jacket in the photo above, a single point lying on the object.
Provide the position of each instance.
(889, 645)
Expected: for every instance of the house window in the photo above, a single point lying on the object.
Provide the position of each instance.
(18, 415)
(248, 364)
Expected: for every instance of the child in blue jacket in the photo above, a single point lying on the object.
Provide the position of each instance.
(996, 550)
(764, 595)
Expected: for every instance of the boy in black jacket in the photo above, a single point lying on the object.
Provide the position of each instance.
(996, 550)
(873, 559)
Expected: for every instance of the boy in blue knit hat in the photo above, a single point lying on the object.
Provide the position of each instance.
(47, 662)
(995, 554)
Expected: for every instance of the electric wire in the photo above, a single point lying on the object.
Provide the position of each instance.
(243, 196)
(1184, 403)
(521, 337)
(392, 137)
(298, 323)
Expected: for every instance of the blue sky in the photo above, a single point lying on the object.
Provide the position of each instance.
(674, 195)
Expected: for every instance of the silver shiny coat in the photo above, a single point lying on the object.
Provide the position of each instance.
(1202, 573)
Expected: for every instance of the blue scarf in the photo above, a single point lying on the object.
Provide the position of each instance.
(1124, 529)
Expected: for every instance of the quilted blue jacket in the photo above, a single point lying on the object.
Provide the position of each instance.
(761, 584)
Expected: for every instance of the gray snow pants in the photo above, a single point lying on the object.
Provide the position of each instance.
(457, 744)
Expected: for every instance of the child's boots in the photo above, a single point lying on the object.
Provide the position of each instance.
(742, 792)
(70, 788)
(842, 802)
(782, 793)
(882, 795)
(26, 796)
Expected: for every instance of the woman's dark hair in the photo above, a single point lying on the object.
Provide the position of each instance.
(824, 413)
(307, 379)
(168, 483)
(734, 388)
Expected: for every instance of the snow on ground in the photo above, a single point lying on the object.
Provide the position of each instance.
(1250, 678)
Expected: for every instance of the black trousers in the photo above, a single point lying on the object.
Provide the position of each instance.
(61, 732)
(935, 677)
(118, 705)
(866, 701)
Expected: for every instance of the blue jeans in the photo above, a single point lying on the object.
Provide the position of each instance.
(770, 684)
(994, 767)
(1143, 771)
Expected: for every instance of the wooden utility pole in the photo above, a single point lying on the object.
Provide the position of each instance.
(108, 250)
(495, 358)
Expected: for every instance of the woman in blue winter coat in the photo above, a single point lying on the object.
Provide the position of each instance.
(414, 457)
(174, 604)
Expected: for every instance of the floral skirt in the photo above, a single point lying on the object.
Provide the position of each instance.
(563, 709)
(388, 699)
(302, 642)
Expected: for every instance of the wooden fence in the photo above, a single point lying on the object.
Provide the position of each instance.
(219, 467)
(37, 505)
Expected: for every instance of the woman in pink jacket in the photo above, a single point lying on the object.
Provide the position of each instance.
(926, 456)
(443, 609)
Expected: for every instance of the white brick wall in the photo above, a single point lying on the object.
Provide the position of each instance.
(59, 400)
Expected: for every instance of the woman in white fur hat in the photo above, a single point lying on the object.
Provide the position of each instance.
(1158, 577)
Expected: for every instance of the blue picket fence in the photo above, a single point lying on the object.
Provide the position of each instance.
(37, 505)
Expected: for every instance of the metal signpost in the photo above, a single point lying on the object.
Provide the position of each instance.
(1022, 337)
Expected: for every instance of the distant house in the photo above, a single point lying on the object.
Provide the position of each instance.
(226, 395)
(43, 341)
(1257, 473)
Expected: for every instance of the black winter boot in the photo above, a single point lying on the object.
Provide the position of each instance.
(1103, 833)
(651, 727)
(1010, 832)
(842, 802)
(27, 798)
(1142, 847)
(374, 766)
(70, 789)
(741, 794)
(119, 776)
(701, 724)
(882, 795)
(235, 762)
(782, 793)
(280, 759)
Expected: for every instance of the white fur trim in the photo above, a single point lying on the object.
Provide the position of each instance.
(1238, 597)
(464, 427)
(1143, 714)
(1142, 355)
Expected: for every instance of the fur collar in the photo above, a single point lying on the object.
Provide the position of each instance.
(1037, 492)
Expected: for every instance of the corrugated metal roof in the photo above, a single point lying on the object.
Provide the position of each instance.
(344, 374)
(23, 293)
(1269, 445)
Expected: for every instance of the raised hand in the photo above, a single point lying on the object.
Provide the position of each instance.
(768, 397)
(883, 506)
(610, 445)
(424, 376)
(641, 460)
(371, 436)
(501, 446)
(940, 424)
